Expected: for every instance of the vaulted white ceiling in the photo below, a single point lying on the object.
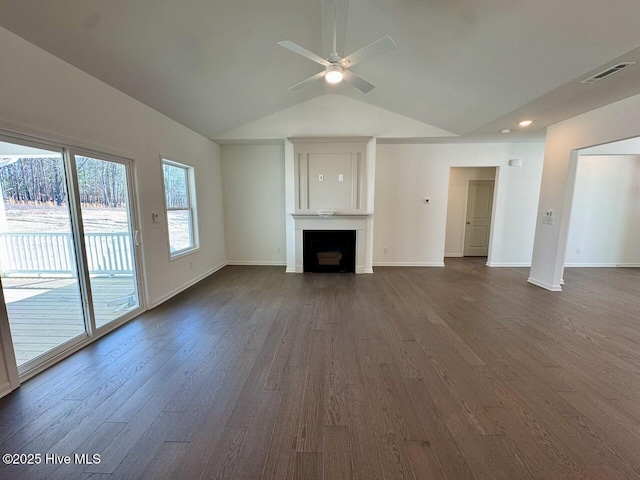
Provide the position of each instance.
(470, 67)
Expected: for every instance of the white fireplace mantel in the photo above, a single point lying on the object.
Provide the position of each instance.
(359, 223)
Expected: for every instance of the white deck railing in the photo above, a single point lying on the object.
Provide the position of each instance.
(52, 253)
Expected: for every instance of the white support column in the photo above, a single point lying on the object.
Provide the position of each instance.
(614, 122)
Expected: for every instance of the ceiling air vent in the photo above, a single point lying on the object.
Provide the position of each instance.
(608, 72)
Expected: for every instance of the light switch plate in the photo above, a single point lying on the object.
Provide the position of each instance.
(320, 178)
(341, 178)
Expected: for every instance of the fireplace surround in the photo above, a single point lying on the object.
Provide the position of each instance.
(357, 223)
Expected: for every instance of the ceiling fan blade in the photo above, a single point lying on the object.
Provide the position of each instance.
(309, 80)
(358, 82)
(383, 45)
(294, 47)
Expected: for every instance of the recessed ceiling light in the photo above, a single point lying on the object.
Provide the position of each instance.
(505, 130)
(525, 123)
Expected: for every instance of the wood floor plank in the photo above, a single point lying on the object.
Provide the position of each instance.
(222, 462)
(462, 372)
(281, 459)
(161, 464)
(252, 461)
(423, 460)
(309, 435)
(337, 454)
(141, 453)
(367, 463)
(432, 406)
(404, 413)
(308, 466)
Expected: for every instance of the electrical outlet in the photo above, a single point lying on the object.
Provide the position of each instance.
(578, 250)
(385, 250)
(278, 250)
(548, 217)
(321, 178)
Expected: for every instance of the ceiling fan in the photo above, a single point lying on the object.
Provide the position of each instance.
(336, 67)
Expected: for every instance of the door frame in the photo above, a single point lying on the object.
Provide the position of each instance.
(466, 206)
(29, 137)
(497, 195)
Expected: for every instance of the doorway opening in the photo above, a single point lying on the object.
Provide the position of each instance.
(469, 211)
(604, 226)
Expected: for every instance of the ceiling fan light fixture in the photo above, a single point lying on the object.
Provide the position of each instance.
(334, 74)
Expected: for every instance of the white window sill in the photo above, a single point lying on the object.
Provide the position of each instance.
(182, 253)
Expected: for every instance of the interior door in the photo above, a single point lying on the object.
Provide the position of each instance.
(110, 236)
(478, 219)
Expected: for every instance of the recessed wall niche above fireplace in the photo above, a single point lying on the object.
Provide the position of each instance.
(329, 251)
(330, 177)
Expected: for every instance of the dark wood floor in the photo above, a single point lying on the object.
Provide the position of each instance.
(425, 373)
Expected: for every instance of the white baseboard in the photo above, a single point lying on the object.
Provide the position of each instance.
(257, 263)
(505, 264)
(453, 255)
(368, 270)
(408, 264)
(545, 285)
(290, 270)
(602, 265)
(186, 285)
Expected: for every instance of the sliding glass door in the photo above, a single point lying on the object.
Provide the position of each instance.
(67, 247)
(104, 193)
(37, 256)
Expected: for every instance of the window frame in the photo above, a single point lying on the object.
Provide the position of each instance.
(191, 208)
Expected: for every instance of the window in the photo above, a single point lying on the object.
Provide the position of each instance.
(179, 194)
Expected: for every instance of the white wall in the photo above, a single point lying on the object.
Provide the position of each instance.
(41, 93)
(457, 206)
(254, 204)
(414, 232)
(613, 122)
(333, 116)
(605, 221)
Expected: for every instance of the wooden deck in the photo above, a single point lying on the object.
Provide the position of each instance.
(46, 312)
